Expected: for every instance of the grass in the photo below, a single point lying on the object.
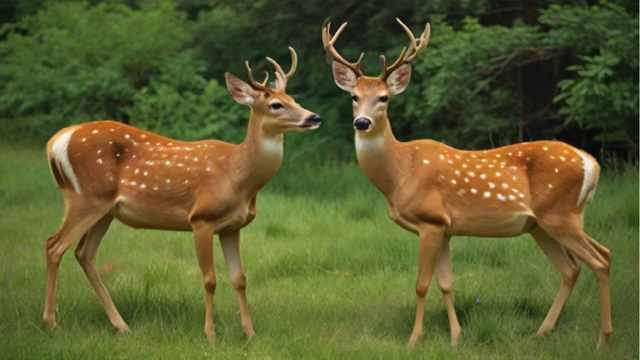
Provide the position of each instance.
(330, 276)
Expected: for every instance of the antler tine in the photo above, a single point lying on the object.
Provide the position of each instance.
(283, 77)
(408, 53)
(401, 58)
(266, 79)
(423, 41)
(329, 41)
(281, 83)
(294, 63)
(256, 85)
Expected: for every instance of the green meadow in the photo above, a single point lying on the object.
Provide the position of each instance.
(329, 276)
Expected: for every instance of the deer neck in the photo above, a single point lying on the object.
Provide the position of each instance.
(378, 157)
(259, 156)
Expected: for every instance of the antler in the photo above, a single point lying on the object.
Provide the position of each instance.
(407, 54)
(256, 85)
(281, 83)
(329, 41)
(283, 78)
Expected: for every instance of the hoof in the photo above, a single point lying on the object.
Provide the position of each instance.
(413, 339)
(455, 340)
(211, 337)
(122, 329)
(604, 341)
(542, 333)
(249, 333)
(49, 322)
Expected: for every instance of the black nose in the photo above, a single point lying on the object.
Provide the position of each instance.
(362, 123)
(313, 119)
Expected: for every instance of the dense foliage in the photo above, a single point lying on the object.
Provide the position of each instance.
(490, 76)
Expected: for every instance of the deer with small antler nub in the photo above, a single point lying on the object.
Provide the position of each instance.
(437, 191)
(108, 170)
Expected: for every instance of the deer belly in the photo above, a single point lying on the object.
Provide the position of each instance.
(492, 225)
(141, 215)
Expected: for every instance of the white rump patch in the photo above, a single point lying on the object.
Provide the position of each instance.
(588, 180)
(59, 152)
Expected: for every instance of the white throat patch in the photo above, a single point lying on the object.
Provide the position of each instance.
(368, 144)
(272, 145)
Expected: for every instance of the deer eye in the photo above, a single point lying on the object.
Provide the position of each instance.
(384, 98)
(354, 98)
(275, 106)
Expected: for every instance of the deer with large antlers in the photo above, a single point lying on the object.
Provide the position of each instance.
(437, 191)
(108, 170)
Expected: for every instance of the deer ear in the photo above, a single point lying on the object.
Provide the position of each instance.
(344, 77)
(241, 92)
(398, 80)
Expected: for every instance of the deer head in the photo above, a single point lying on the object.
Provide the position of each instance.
(371, 94)
(277, 111)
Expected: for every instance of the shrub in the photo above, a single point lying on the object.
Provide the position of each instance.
(72, 62)
(181, 103)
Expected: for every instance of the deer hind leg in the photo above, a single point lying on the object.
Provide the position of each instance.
(444, 270)
(77, 221)
(231, 250)
(567, 266)
(85, 254)
(597, 257)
